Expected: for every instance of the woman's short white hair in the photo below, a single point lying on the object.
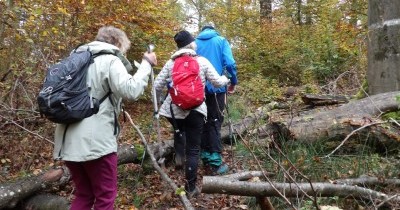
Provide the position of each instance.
(114, 36)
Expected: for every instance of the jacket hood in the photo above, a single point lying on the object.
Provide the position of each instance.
(207, 34)
(183, 51)
(97, 46)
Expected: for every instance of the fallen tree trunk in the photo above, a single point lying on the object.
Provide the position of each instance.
(339, 121)
(44, 201)
(223, 185)
(12, 193)
(333, 124)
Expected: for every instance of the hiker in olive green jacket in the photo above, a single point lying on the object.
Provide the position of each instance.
(89, 147)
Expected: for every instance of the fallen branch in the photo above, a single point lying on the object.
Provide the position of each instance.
(12, 193)
(349, 135)
(23, 128)
(221, 185)
(164, 176)
(246, 175)
(369, 181)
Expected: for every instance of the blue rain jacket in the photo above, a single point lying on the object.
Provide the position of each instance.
(218, 51)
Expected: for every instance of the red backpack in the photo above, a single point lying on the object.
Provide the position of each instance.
(187, 89)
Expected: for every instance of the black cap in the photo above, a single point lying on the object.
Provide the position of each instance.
(183, 38)
(207, 26)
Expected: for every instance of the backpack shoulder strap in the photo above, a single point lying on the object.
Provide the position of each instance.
(103, 52)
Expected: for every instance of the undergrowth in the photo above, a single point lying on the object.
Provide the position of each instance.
(306, 162)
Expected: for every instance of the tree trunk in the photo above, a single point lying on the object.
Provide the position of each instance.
(265, 10)
(12, 193)
(383, 46)
(299, 12)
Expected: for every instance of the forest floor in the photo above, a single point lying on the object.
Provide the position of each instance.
(140, 186)
(143, 186)
(26, 150)
(157, 194)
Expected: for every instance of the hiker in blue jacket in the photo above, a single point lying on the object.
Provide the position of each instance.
(214, 47)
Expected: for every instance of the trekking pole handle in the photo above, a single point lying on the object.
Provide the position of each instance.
(150, 48)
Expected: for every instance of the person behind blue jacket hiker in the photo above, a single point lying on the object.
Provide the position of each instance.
(89, 147)
(217, 50)
(189, 122)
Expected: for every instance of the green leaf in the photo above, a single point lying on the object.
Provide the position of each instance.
(180, 191)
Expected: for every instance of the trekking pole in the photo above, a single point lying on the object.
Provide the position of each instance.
(232, 138)
(150, 48)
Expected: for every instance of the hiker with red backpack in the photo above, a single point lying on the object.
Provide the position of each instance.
(89, 147)
(217, 50)
(185, 74)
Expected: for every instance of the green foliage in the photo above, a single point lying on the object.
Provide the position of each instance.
(238, 107)
(180, 191)
(326, 47)
(141, 150)
(308, 44)
(363, 90)
(309, 159)
(137, 200)
(391, 115)
(261, 90)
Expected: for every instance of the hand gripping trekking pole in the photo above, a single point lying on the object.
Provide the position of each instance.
(156, 116)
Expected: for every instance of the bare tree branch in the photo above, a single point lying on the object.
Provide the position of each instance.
(221, 185)
(163, 175)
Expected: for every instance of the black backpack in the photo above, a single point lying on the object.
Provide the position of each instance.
(65, 96)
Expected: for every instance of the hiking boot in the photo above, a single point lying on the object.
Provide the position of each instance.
(219, 170)
(194, 193)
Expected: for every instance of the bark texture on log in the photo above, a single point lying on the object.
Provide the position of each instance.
(333, 124)
(221, 185)
(323, 100)
(45, 202)
(12, 193)
(340, 121)
(248, 122)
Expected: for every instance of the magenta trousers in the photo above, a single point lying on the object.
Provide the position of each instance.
(95, 183)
